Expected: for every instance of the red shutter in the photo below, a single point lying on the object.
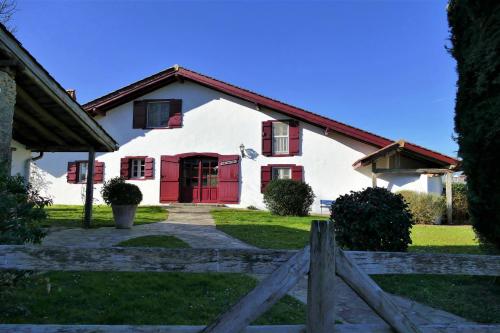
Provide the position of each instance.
(294, 137)
(298, 173)
(265, 177)
(169, 182)
(124, 168)
(175, 119)
(267, 138)
(98, 172)
(71, 175)
(139, 120)
(149, 164)
(229, 179)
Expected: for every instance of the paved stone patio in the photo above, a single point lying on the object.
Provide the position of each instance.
(195, 226)
(192, 224)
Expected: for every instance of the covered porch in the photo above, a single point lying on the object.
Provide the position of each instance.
(403, 158)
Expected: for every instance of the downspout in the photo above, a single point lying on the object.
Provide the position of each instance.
(27, 167)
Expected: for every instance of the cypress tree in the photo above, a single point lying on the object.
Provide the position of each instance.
(475, 38)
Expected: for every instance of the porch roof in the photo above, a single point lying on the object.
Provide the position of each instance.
(411, 151)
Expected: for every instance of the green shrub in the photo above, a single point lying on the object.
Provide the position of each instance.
(21, 211)
(373, 219)
(288, 197)
(117, 192)
(252, 207)
(460, 204)
(426, 208)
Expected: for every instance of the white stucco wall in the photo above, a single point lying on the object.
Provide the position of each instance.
(214, 122)
(19, 157)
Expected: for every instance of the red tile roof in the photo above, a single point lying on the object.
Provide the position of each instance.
(176, 73)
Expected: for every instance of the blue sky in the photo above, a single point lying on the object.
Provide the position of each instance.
(378, 65)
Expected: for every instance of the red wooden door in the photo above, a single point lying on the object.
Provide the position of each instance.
(229, 179)
(169, 181)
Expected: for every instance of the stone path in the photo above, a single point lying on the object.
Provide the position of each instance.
(195, 226)
(192, 224)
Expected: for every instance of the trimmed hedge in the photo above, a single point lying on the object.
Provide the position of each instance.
(373, 219)
(426, 208)
(460, 204)
(288, 197)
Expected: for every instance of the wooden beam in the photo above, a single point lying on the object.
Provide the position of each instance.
(248, 261)
(339, 328)
(38, 126)
(373, 295)
(54, 148)
(422, 170)
(89, 191)
(263, 297)
(449, 198)
(49, 117)
(374, 174)
(321, 282)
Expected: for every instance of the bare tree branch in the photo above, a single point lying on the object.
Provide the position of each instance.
(7, 10)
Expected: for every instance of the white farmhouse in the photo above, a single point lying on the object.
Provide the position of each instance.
(187, 137)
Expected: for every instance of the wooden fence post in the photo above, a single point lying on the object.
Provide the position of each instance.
(321, 283)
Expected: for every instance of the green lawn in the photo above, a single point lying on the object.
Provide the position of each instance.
(169, 242)
(102, 216)
(475, 298)
(264, 230)
(134, 298)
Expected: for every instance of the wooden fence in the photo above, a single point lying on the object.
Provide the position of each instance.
(321, 260)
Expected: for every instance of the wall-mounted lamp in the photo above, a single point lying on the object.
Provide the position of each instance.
(242, 150)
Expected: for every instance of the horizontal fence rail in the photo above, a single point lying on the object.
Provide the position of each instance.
(250, 261)
(341, 328)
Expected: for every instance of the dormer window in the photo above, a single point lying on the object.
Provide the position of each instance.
(157, 114)
(280, 138)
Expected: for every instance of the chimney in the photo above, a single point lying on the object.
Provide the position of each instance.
(72, 93)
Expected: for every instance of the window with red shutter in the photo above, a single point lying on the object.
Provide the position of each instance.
(77, 172)
(139, 114)
(280, 138)
(149, 164)
(294, 137)
(157, 113)
(175, 120)
(71, 173)
(267, 138)
(124, 168)
(265, 177)
(98, 172)
(279, 171)
(298, 173)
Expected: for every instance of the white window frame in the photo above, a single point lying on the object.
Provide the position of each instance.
(137, 168)
(284, 138)
(82, 176)
(280, 172)
(147, 113)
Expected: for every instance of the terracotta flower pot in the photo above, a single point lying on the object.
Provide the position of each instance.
(124, 215)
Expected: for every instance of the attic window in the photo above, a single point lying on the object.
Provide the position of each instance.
(157, 114)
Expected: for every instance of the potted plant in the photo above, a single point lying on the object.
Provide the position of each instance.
(123, 198)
